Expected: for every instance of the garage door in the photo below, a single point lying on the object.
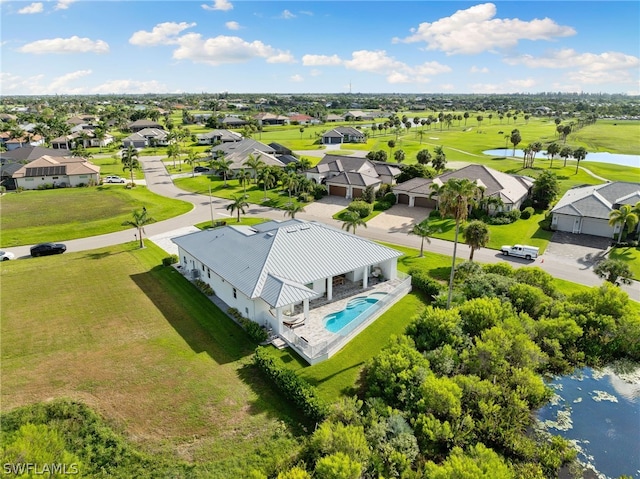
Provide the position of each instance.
(357, 193)
(592, 226)
(403, 199)
(338, 190)
(565, 223)
(424, 202)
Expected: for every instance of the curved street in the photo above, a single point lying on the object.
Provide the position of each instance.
(578, 270)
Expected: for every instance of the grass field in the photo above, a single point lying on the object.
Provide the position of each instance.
(63, 214)
(150, 353)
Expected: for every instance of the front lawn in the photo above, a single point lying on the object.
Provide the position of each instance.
(629, 255)
(69, 213)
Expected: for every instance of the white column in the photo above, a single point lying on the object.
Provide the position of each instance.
(279, 320)
(305, 308)
(330, 288)
(412, 201)
(365, 277)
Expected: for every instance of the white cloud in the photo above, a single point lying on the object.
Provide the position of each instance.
(60, 84)
(74, 44)
(372, 61)
(224, 5)
(509, 86)
(287, 15)
(447, 87)
(321, 60)
(37, 85)
(232, 25)
(315, 73)
(475, 30)
(63, 4)
(475, 69)
(36, 7)
(130, 86)
(297, 78)
(18, 84)
(225, 49)
(162, 34)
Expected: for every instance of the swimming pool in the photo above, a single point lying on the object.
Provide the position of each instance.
(335, 322)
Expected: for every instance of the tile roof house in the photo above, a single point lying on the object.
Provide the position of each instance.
(585, 210)
(142, 124)
(57, 171)
(348, 176)
(511, 189)
(239, 152)
(146, 137)
(218, 136)
(12, 161)
(343, 134)
(271, 119)
(266, 270)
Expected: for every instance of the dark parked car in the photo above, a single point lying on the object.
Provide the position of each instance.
(45, 249)
(201, 169)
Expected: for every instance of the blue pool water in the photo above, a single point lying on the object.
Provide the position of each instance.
(334, 322)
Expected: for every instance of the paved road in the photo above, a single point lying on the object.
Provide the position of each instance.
(159, 181)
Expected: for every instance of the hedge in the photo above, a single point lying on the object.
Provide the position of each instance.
(421, 281)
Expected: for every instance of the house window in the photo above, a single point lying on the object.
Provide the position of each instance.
(235, 293)
(208, 273)
(202, 267)
(55, 177)
(246, 310)
(185, 259)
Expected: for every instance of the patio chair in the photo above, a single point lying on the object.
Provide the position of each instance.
(295, 323)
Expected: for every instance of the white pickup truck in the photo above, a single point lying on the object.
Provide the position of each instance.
(522, 251)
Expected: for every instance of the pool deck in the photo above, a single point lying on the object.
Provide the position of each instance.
(313, 330)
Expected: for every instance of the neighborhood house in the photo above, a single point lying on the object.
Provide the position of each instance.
(273, 271)
(585, 210)
(58, 172)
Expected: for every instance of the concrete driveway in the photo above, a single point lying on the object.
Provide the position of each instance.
(399, 218)
(586, 250)
(326, 207)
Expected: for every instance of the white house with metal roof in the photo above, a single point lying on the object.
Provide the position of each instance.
(267, 270)
(585, 210)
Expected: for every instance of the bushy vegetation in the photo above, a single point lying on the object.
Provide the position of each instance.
(169, 260)
(204, 287)
(363, 208)
(421, 281)
(256, 332)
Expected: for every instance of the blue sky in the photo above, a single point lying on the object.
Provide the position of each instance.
(87, 47)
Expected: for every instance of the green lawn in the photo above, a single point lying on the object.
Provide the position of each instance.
(149, 352)
(244, 221)
(112, 165)
(63, 214)
(629, 255)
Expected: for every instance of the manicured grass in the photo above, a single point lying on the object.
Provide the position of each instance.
(521, 231)
(244, 221)
(63, 214)
(629, 255)
(111, 165)
(149, 352)
(255, 194)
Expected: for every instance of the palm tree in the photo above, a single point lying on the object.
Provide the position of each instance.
(455, 197)
(173, 152)
(399, 156)
(423, 157)
(265, 174)
(290, 182)
(424, 229)
(565, 153)
(140, 219)
(244, 177)
(255, 163)
(223, 167)
(130, 160)
(391, 144)
(476, 235)
(552, 150)
(515, 138)
(238, 204)
(440, 160)
(192, 158)
(351, 220)
(291, 209)
(624, 216)
(579, 154)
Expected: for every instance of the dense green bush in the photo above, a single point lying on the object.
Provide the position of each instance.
(383, 190)
(389, 198)
(253, 329)
(294, 388)
(363, 208)
(527, 213)
(204, 287)
(382, 205)
(421, 281)
(505, 218)
(169, 260)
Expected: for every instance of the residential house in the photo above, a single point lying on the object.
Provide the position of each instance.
(139, 125)
(585, 210)
(57, 171)
(280, 149)
(12, 161)
(349, 176)
(21, 142)
(332, 118)
(238, 153)
(357, 115)
(270, 270)
(83, 134)
(233, 122)
(303, 119)
(218, 136)
(343, 134)
(512, 190)
(146, 137)
(271, 119)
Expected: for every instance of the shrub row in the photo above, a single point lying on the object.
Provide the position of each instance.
(204, 287)
(505, 218)
(421, 281)
(253, 329)
(294, 388)
(169, 260)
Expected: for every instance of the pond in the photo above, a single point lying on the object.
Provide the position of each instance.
(603, 157)
(599, 412)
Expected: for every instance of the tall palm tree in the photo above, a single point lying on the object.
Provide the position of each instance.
(552, 150)
(255, 163)
(193, 157)
(223, 167)
(424, 229)
(244, 177)
(624, 216)
(515, 139)
(173, 152)
(565, 153)
(130, 160)
(268, 179)
(351, 220)
(140, 219)
(291, 209)
(476, 235)
(579, 154)
(439, 161)
(455, 197)
(290, 182)
(239, 204)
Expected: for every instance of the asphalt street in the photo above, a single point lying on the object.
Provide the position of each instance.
(204, 208)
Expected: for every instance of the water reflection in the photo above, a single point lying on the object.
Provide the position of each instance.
(603, 157)
(599, 411)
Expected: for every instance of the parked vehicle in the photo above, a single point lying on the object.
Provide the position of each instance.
(201, 169)
(522, 251)
(114, 179)
(46, 249)
(6, 255)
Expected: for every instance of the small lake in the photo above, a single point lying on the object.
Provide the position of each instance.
(602, 157)
(598, 411)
